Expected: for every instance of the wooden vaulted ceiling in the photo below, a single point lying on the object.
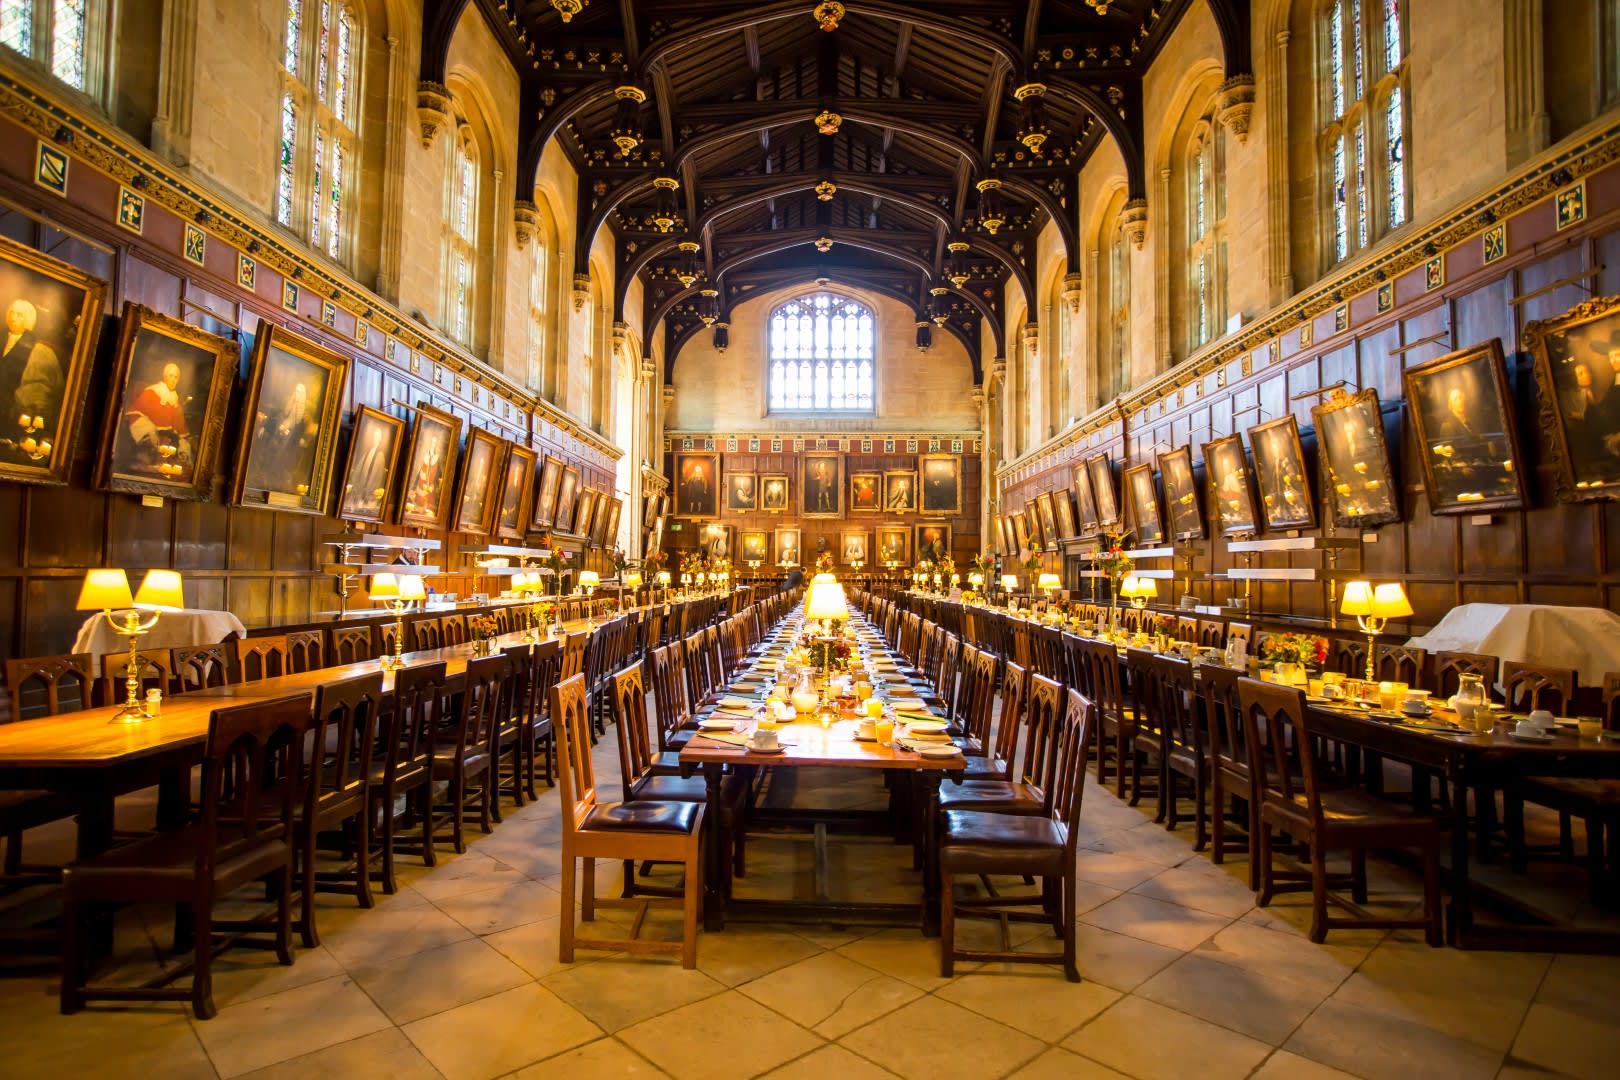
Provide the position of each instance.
(927, 99)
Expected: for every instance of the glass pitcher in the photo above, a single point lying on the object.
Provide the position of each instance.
(1470, 698)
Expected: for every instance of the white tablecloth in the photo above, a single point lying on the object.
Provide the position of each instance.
(1583, 638)
(188, 626)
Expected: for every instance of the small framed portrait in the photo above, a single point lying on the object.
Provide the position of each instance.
(941, 484)
(1101, 474)
(166, 412)
(600, 519)
(773, 493)
(481, 472)
(742, 492)
(368, 476)
(756, 546)
(1577, 357)
(53, 314)
(1142, 495)
(1463, 415)
(787, 547)
(1020, 529)
(1355, 459)
(715, 540)
(584, 510)
(430, 464)
(1085, 502)
(1009, 538)
(900, 491)
(1279, 465)
(1231, 488)
(655, 535)
(1063, 503)
(865, 492)
(822, 484)
(567, 499)
(545, 497)
(610, 535)
(697, 485)
(852, 547)
(291, 411)
(1181, 495)
(893, 546)
(933, 542)
(654, 508)
(513, 514)
(1047, 512)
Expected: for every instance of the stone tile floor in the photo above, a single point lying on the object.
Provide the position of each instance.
(457, 976)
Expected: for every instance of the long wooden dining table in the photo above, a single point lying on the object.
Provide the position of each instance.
(806, 745)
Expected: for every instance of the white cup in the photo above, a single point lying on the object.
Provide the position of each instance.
(764, 739)
(1542, 719)
(867, 729)
(1527, 727)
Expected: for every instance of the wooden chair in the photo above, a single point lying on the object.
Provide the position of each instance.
(1030, 792)
(1115, 721)
(1186, 628)
(1449, 666)
(200, 667)
(1000, 760)
(352, 644)
(640, 830)
(669, 697)
(50, 685)
(464, 753)
(1244, 632)
(1184, 755)
(1231, 766)
(547, 661)
(306, 650)
(336, 795)
(1211, 633)
(153, 667)
(425, 633)
(385, 635)
(402, 764)
(975, 843)
(573, 655)
(1297, 803)
(453, 628)
(262, 657)
(1348, 655)
(1528, 686)
(512, 729)
(251, 780)
(1400, 663)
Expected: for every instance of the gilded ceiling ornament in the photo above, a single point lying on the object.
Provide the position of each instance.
(827, 122)
(569, 8)
(826, 190)
(827, 15)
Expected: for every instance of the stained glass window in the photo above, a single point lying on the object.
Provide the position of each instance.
(1392, 34)
(1364, 138)
(1336, 57)
(822, 350)
(1119, 337)
(343, 70)
(295, 36)
(1394, 144)
(53, 33)
(1341, 204)
(461, 233)
(1355, 37)
(315, 191)
(284, 171)
(323, 44)
(334, 201)
(1361, 186)
(17, 25)
(67, 42)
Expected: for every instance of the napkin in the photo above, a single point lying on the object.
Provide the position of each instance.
(736, 703)
(733, 738)
(916, 714)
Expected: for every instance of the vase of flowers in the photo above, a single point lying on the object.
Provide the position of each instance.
(559, 563)
(825, 563)
(1112, 560)
(483, 629)
(1291, 655)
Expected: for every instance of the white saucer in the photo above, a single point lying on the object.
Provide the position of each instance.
(947, 751)
(920, 726)
(715, 723)
(1417, 715)
(752, 749)
(1531, 738)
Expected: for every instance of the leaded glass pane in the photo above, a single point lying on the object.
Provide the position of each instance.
(344, 70)
(295, 30)
(17, 25)
(67, 42)
(1336, 57)
(1361, 186)
(833, 333)
(1394, 139)
(1392, 34)
(315, 191)
(1341, 206)
(323, 50)
(284, 171)
(334, 202)
(1355, 36)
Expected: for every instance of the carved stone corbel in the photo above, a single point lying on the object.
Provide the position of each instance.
(1032, 340)
(434, 110)
(525, 221)
(998, 371)
(1234, 101)
(1073, 291)
(1133, 219)
(669, 396)
(582, 291)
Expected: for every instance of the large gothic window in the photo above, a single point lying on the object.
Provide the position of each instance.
(460, 232)
(317, 145)
(1206, 232)
(54, 33)
(821, 355)
(1364, 141)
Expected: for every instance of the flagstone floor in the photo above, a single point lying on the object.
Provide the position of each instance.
(457, 976)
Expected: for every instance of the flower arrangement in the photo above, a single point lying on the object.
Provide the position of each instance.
(483, 626)
(984, 563)
(1111, 558)
(825, 563)
(608, 604)
(618, 558)
(693, 562)
(1032, 561)
(1293, 649)
(969, 596)
(653, 562)
(947, 566)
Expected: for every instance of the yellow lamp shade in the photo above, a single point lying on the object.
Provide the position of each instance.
(632, 579)
(1130, 588)
(384, 587)
(1009, 581)
(975, 579)
(104, 589)
(160, 591)
(1146, 586)
(412, 587)
(589, 579)
(1049, 581)
(1389, 601)
(825, 600)
(663, 577)
(1358, 597)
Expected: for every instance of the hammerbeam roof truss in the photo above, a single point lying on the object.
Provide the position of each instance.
(928, 102)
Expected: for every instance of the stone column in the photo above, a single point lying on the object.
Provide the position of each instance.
(1278, 264)
(177, 72)
(392, 182)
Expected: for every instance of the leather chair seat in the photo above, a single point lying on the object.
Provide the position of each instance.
(986, 843)
(985, 768)
(643, 815)
(678, 788)
(997, 796)
(1346, 810)
(1572, 795)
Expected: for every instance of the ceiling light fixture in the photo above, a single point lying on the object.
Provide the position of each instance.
(824, 244)
(664, 216)
(826, 190)
(959, 272)
(1035, 130)
(991, 215)
(829, 13)
(626, 130)
(941, 312)
(827, 122)
(688, 271)
(569, 8)
(708, 307)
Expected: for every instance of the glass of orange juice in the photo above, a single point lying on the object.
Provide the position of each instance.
(885, 731)
(873, 707)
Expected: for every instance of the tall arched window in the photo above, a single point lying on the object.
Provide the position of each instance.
(460, 231)
(1364, 142)
(821, 355)
(1206, 232)
(57, 34)
(318, 148)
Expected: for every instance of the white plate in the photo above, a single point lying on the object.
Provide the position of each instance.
(777, 749)
(716, 723)
(949, 751)
(925, 725)
(1531, 738)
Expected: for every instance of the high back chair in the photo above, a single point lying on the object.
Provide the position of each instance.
(1530, 686)
(1185, 756)
(153, 667)
(200, 667)
(1030, 789)
(306, 650)
(50, 685)
(1298, 803)
(464, 753)
(1231, 775)
(543, 675)
(262, 657)
(336, 782)
(573, 655)
(645, 829)
(1040, 846)
(1401, 663)
(1116, 722)
(252, 772)
(351, 644)
(402, 765)
(1449, 667)
(1238, 631)
(1000, 759)
(426, 632)
(669, 697)
(453, 629)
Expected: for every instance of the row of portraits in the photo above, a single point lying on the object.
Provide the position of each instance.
(170, 393)
(1463, 419)
(701, 490)
(884, 547)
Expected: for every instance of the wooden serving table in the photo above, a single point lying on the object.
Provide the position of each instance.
(807, 745)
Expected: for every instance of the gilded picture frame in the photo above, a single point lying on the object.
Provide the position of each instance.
(545, 495)
(288, 442)
(584, 513)
(1063, 502)
(1282, 479)
(1085, 502)
(430, 468)
(1360, 481)
(940, 483)
(514, 508)
(697, 485)
(788, 541)
(567, 499)
(1032, 526)
(742, 492)
(821, 485)
(1101, 474)
(165, 419)
(1467, 438)
(371, 466)
(865, 492)
(1020, 529)
(893, 545)
(1583, 434)
(1231, 487)
(900, 491)
(483, 464)
(610, 536)
(933, 541)
(756, 546)
(854, 547)
(1142, 497)
(1047, 511)
(774, 492)
(1184, 514)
